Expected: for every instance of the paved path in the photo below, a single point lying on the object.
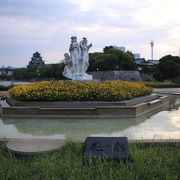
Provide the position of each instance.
(34, 146)
(168, 89)
(4, 93)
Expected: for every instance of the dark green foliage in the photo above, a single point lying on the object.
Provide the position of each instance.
(4, 76)
(25, 73)
(106, 48)
(149, 70)
(124, 60)
(47, 71)
(5, 88)
(168, 67)
(51, 71)
(105, 62)
(149, 162)
(92, 60)
(111, 59)
(130, 53)
(162, 85)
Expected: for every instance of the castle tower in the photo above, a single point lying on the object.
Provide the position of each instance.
(36, 60)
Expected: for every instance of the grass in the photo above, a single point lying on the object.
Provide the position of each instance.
(149, 162)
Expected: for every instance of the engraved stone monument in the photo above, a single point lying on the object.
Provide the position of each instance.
(77, 62)
(107, 147)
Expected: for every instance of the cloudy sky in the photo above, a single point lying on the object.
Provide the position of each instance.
(46, 26)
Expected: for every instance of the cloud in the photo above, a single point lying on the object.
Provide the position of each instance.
(41, 9)
(46, 26)
(51, 57)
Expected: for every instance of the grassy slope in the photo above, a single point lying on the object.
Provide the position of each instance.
(153, 162)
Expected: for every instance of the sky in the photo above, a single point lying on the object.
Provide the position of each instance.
(27, 26)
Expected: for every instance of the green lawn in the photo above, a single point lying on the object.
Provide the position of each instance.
(149, 162)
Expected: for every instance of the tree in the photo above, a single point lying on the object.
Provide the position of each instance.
(47, 71)
(105, 62)
(59, 70)
(125, 60)
(149, 70)
(92, 60)
(51, 71)
(25, 73)
(111, 59)
(168, 67)
(130, 53)
(106, 48)
(4, 76)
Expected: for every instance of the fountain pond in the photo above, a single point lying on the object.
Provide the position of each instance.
(163, 123)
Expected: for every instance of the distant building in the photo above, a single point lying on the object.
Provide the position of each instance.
(136, 55)
(141, 62)
(119, 48)
(8, 71)
(36, 60)
(153, 62)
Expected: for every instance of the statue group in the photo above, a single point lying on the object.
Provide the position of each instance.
(77, 62)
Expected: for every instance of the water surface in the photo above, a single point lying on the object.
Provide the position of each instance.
(160, 124)
(9, 83)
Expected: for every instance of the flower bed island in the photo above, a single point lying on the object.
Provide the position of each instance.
(81, 99)
(79, 91)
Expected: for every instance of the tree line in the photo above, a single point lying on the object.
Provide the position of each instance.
(167, 68)
(109, 59)
(47, 71)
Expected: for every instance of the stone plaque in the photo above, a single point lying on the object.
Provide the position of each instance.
(107, 147)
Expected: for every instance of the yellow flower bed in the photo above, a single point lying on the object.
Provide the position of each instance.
(79, 91)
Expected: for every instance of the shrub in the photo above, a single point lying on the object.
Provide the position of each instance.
(79, 91)
(168, 67)
(162, 85)
(111, 59)
(5, 88)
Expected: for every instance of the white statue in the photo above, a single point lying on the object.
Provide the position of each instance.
(68, 69)
(84, 54)
(74, 50)
(78, 62)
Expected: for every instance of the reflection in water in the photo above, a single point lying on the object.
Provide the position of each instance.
(164, 123)
(174, 103)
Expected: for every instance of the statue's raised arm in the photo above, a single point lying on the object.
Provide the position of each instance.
(89, 46)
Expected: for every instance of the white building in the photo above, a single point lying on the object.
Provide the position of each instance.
(6, 71)
(136, 55)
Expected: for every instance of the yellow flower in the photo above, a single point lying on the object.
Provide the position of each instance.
(79, 91)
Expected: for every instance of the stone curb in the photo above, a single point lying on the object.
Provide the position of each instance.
(103, 109)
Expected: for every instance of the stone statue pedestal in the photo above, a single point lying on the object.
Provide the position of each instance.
(84, 77)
